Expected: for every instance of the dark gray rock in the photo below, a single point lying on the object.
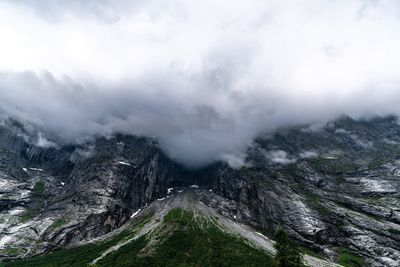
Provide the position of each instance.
(332, 187)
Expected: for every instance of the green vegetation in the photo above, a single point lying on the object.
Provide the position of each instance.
(190, 240)
(182, 239)
(311, 252)
(79, 256)
(11, 251)
(74, 257)
(288, 253)
(39, 188)
(348, 259)
(335, 166)
(314, 200)
(39, 198)
(393, 231)
(58, 223)
(384, 153)
(250, 172)
(375, 163)
(29, 214)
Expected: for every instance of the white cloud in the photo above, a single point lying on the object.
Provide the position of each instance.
(279, 157)
(234, 160)
(204, 77)
(308, 154)
(43, 142)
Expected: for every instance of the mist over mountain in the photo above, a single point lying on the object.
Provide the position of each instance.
(199, 133)
(202, 77)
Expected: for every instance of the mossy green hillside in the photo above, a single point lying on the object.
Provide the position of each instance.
(182, 239)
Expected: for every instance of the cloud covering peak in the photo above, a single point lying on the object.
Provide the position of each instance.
(203, 77)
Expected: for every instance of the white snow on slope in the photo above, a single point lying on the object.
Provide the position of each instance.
(135, 213)
(124, 163)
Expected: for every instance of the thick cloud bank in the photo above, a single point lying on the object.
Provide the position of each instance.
(203, 77)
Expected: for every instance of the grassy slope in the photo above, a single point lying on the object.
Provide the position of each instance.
(348, 259)
(78, 256)
(182, 240)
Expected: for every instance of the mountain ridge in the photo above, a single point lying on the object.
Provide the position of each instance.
(331, 187)
(184, 207)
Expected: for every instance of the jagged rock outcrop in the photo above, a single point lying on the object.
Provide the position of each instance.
(335, 186)
(180, 229)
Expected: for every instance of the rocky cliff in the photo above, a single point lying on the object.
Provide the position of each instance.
(334, 187)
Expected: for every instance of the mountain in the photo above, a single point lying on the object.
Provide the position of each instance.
(179, 230)
(333, 187)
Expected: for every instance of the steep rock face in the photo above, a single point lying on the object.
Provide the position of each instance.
(55, 197)
(331, 186)
(184, 228)
(108, 187)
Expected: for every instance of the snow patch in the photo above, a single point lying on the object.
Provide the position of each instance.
(135, 213)
(16, 211)
(36, 169)
(124, 163)
(25, 170)
(169, 190)
(260, 234)
(194, 186)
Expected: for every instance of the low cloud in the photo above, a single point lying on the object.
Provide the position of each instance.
(202, 77)
(279, 157)
(308, 154)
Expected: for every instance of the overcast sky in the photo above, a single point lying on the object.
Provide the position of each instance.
(203, 77)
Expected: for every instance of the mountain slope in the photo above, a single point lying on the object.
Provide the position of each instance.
(331, 187)
(177, 231)
(334, 188)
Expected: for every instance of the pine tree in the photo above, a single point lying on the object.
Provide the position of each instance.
(287, 252)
